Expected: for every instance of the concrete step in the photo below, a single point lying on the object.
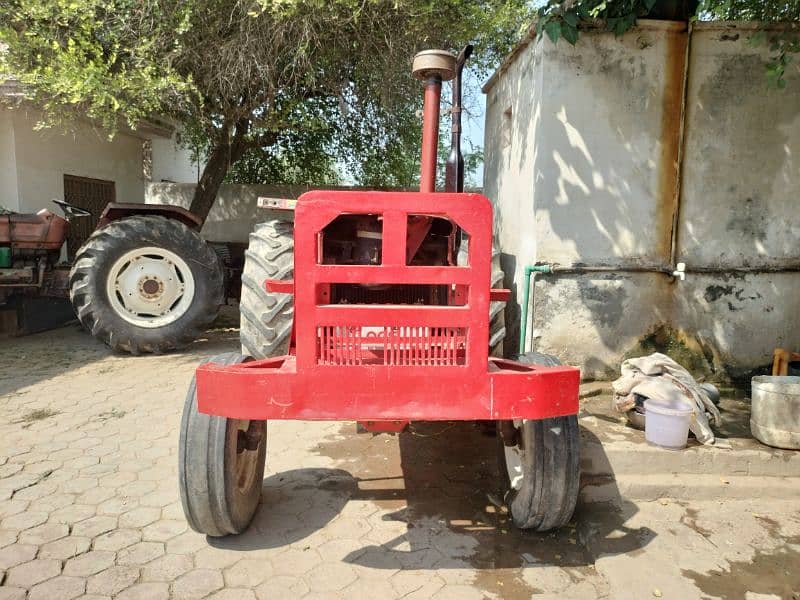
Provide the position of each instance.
(743, 457)
(617, 461)
(662, 486)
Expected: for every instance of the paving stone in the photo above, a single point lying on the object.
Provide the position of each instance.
(89, 563)
(164, 530)
(24, 520)
(233, 594)
(12, 593)
(112, 581)
(215, 558)
(139, 517)
(8, 537)
(12, 507)
(94, 526)
(30, 573)
(72, 514)
(167, 568)
(117, 539)
(296, 562)
(61, 588)
(44, 533)
(282, 586)
(197, 584)
(16, 554)
(65, 548)
(248, 573)
(140, 553)
(145, 591)
(330, 577)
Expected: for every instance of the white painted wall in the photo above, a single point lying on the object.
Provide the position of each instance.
(33, 163)
(172, 162)
(42, 158)
(9, 192)
(583, 171)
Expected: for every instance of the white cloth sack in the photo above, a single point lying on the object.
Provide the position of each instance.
(659, 377)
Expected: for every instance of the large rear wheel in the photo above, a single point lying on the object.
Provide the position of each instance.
(146, 284)
(221, 465)
(540, 465)
(266, 317)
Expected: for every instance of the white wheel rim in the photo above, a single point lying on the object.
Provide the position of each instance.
(150, 287)
(514, 463)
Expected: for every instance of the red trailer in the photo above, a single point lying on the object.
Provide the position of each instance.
(389, 326)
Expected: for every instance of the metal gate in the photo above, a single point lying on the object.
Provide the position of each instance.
(89, 194)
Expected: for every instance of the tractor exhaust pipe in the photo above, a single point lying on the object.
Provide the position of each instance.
(454, 170)
(432, 67)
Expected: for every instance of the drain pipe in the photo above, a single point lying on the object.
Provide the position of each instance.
(530, 272)
(678, 273)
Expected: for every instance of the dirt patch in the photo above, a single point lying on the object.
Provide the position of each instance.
(770, 572)
(40, 414)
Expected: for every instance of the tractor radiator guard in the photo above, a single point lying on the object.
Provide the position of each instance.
(381, 362)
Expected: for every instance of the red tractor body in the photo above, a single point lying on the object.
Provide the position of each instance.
(389, 362)
(389, 312)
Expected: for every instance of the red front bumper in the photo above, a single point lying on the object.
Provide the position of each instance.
(274, 389)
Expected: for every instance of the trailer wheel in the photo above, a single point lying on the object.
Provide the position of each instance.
(540, 471)
(146, 284)
(266, 317)
(221, 465)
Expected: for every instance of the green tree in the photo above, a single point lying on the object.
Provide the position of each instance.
(305, 84)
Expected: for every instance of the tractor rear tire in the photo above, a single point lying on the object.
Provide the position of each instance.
(541, 472)
(266, 317)
(497, 310)
(146, 284)
(219, 478)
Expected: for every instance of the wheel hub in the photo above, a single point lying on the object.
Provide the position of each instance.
(150, 287)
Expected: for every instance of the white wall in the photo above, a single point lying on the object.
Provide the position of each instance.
(9, 192)
(44, 157)
(172, 162)
(584, 171)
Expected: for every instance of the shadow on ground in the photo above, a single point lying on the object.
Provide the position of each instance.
(437, 489)
(31, 359)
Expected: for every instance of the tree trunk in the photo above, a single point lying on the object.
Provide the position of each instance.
(225, 153)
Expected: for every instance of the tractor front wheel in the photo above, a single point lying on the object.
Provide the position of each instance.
(221, 465)
(540, 465)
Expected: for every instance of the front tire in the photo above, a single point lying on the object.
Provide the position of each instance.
(221, 465)
(540, 469)
(146, 284)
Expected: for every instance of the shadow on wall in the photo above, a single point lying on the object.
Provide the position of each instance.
(601, 193)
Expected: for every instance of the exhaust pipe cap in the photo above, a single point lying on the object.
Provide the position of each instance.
(432, 63)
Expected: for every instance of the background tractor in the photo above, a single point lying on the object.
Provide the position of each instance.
(376, 307)
(144, 281)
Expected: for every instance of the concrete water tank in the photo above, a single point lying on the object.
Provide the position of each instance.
(775, 412)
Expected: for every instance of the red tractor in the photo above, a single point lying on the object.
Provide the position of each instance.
(387, 319)
(144, 281)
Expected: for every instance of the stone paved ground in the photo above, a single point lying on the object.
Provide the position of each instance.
(89, 506)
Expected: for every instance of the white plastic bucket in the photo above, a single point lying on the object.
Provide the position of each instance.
(667, 423)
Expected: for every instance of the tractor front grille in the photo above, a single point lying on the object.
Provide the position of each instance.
(401, 346)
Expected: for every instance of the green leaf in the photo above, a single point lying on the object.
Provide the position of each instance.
(570, 18)
(570, 34)
(553, 30)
